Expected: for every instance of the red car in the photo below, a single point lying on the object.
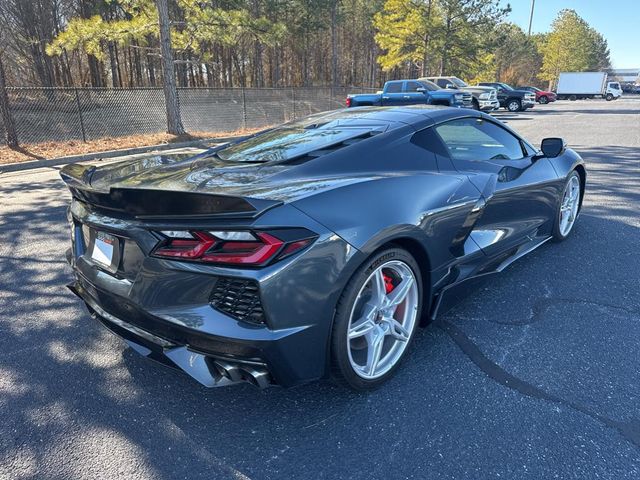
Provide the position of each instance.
(541, 95)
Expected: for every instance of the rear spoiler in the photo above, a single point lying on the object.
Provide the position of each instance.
(160, 204)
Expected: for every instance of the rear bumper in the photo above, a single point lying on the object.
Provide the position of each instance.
(260, 358)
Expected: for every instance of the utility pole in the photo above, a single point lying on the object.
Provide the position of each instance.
(174, 122)
(533, 5)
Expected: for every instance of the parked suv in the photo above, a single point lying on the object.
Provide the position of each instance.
(484, 98)
(510, 98)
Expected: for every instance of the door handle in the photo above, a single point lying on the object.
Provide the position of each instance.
(407, 96)
(385, 98)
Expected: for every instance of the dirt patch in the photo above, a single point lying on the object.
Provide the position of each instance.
(49, 150)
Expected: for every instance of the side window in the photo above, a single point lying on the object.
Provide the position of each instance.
(478, 139)
(394, 87)
(442, 82)
(413, 86)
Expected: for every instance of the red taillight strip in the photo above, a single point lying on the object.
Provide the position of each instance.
(207, 248)
(181, 248)
(293, 247)
(261, 254)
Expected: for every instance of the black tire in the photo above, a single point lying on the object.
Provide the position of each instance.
(476, 105)
(609, 97)
(514, 105)
(341, 369)
(543, 100)
(573, 98)
(557, 234)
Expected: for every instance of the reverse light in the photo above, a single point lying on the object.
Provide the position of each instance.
(246, 248)
(241, 236)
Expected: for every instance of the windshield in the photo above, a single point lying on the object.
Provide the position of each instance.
(457, 82)
(288, 142)
(505, 86)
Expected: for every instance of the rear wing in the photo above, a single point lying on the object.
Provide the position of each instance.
(145, 203)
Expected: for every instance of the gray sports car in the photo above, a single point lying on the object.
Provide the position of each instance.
(314, 249)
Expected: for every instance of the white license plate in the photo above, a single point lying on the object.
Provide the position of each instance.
(103, 248)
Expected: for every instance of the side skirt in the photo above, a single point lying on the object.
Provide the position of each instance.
(452, 291)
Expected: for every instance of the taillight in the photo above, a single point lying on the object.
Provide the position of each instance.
(348, 102)
(248, 248)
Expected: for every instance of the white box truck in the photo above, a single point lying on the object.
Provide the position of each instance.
(576, 85)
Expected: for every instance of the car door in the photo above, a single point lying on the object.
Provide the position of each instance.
(520, 192)
(411, 94)
(393, 94)
(502, 94)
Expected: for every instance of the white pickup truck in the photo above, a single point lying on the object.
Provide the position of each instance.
(578, 85)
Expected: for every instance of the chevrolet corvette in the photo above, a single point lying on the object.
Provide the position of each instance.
(314, 249)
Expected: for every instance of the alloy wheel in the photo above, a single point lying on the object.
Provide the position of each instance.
(513, 106)
(569, 206)
(382, 319)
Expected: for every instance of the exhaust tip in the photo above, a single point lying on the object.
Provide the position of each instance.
(238, 372)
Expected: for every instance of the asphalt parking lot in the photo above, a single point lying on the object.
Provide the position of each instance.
(535, 376)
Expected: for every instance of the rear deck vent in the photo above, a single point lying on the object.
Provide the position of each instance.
(238, 298)
(298, 160)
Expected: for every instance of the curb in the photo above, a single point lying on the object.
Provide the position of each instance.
(15, 167)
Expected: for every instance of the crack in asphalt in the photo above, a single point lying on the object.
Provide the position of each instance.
(543, 304)
(629, 430)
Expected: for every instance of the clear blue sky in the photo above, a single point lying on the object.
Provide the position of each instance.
(617, 20)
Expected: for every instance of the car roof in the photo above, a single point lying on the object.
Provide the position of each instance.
(418, 116)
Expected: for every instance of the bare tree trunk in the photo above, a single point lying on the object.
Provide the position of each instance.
(138, 65)
(151, 70)
(174, 122)
(94, 71)
(115, 75)
(7, 118)
(425, 57)
(334, 43)
(444, 61)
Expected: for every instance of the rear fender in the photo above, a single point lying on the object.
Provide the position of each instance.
(428, 208)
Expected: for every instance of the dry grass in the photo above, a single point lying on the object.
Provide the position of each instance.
(73, 147)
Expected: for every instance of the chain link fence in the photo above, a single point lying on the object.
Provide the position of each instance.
(83, 114)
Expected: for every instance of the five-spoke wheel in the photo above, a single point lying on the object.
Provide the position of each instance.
(382, 319)
(569, 207)
(376, 318)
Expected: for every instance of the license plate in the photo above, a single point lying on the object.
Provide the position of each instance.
(103, 248)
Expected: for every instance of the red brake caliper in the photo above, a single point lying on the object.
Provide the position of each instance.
(388, 283)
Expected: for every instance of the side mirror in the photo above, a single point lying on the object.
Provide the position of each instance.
(450, 85)
(552, 147)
